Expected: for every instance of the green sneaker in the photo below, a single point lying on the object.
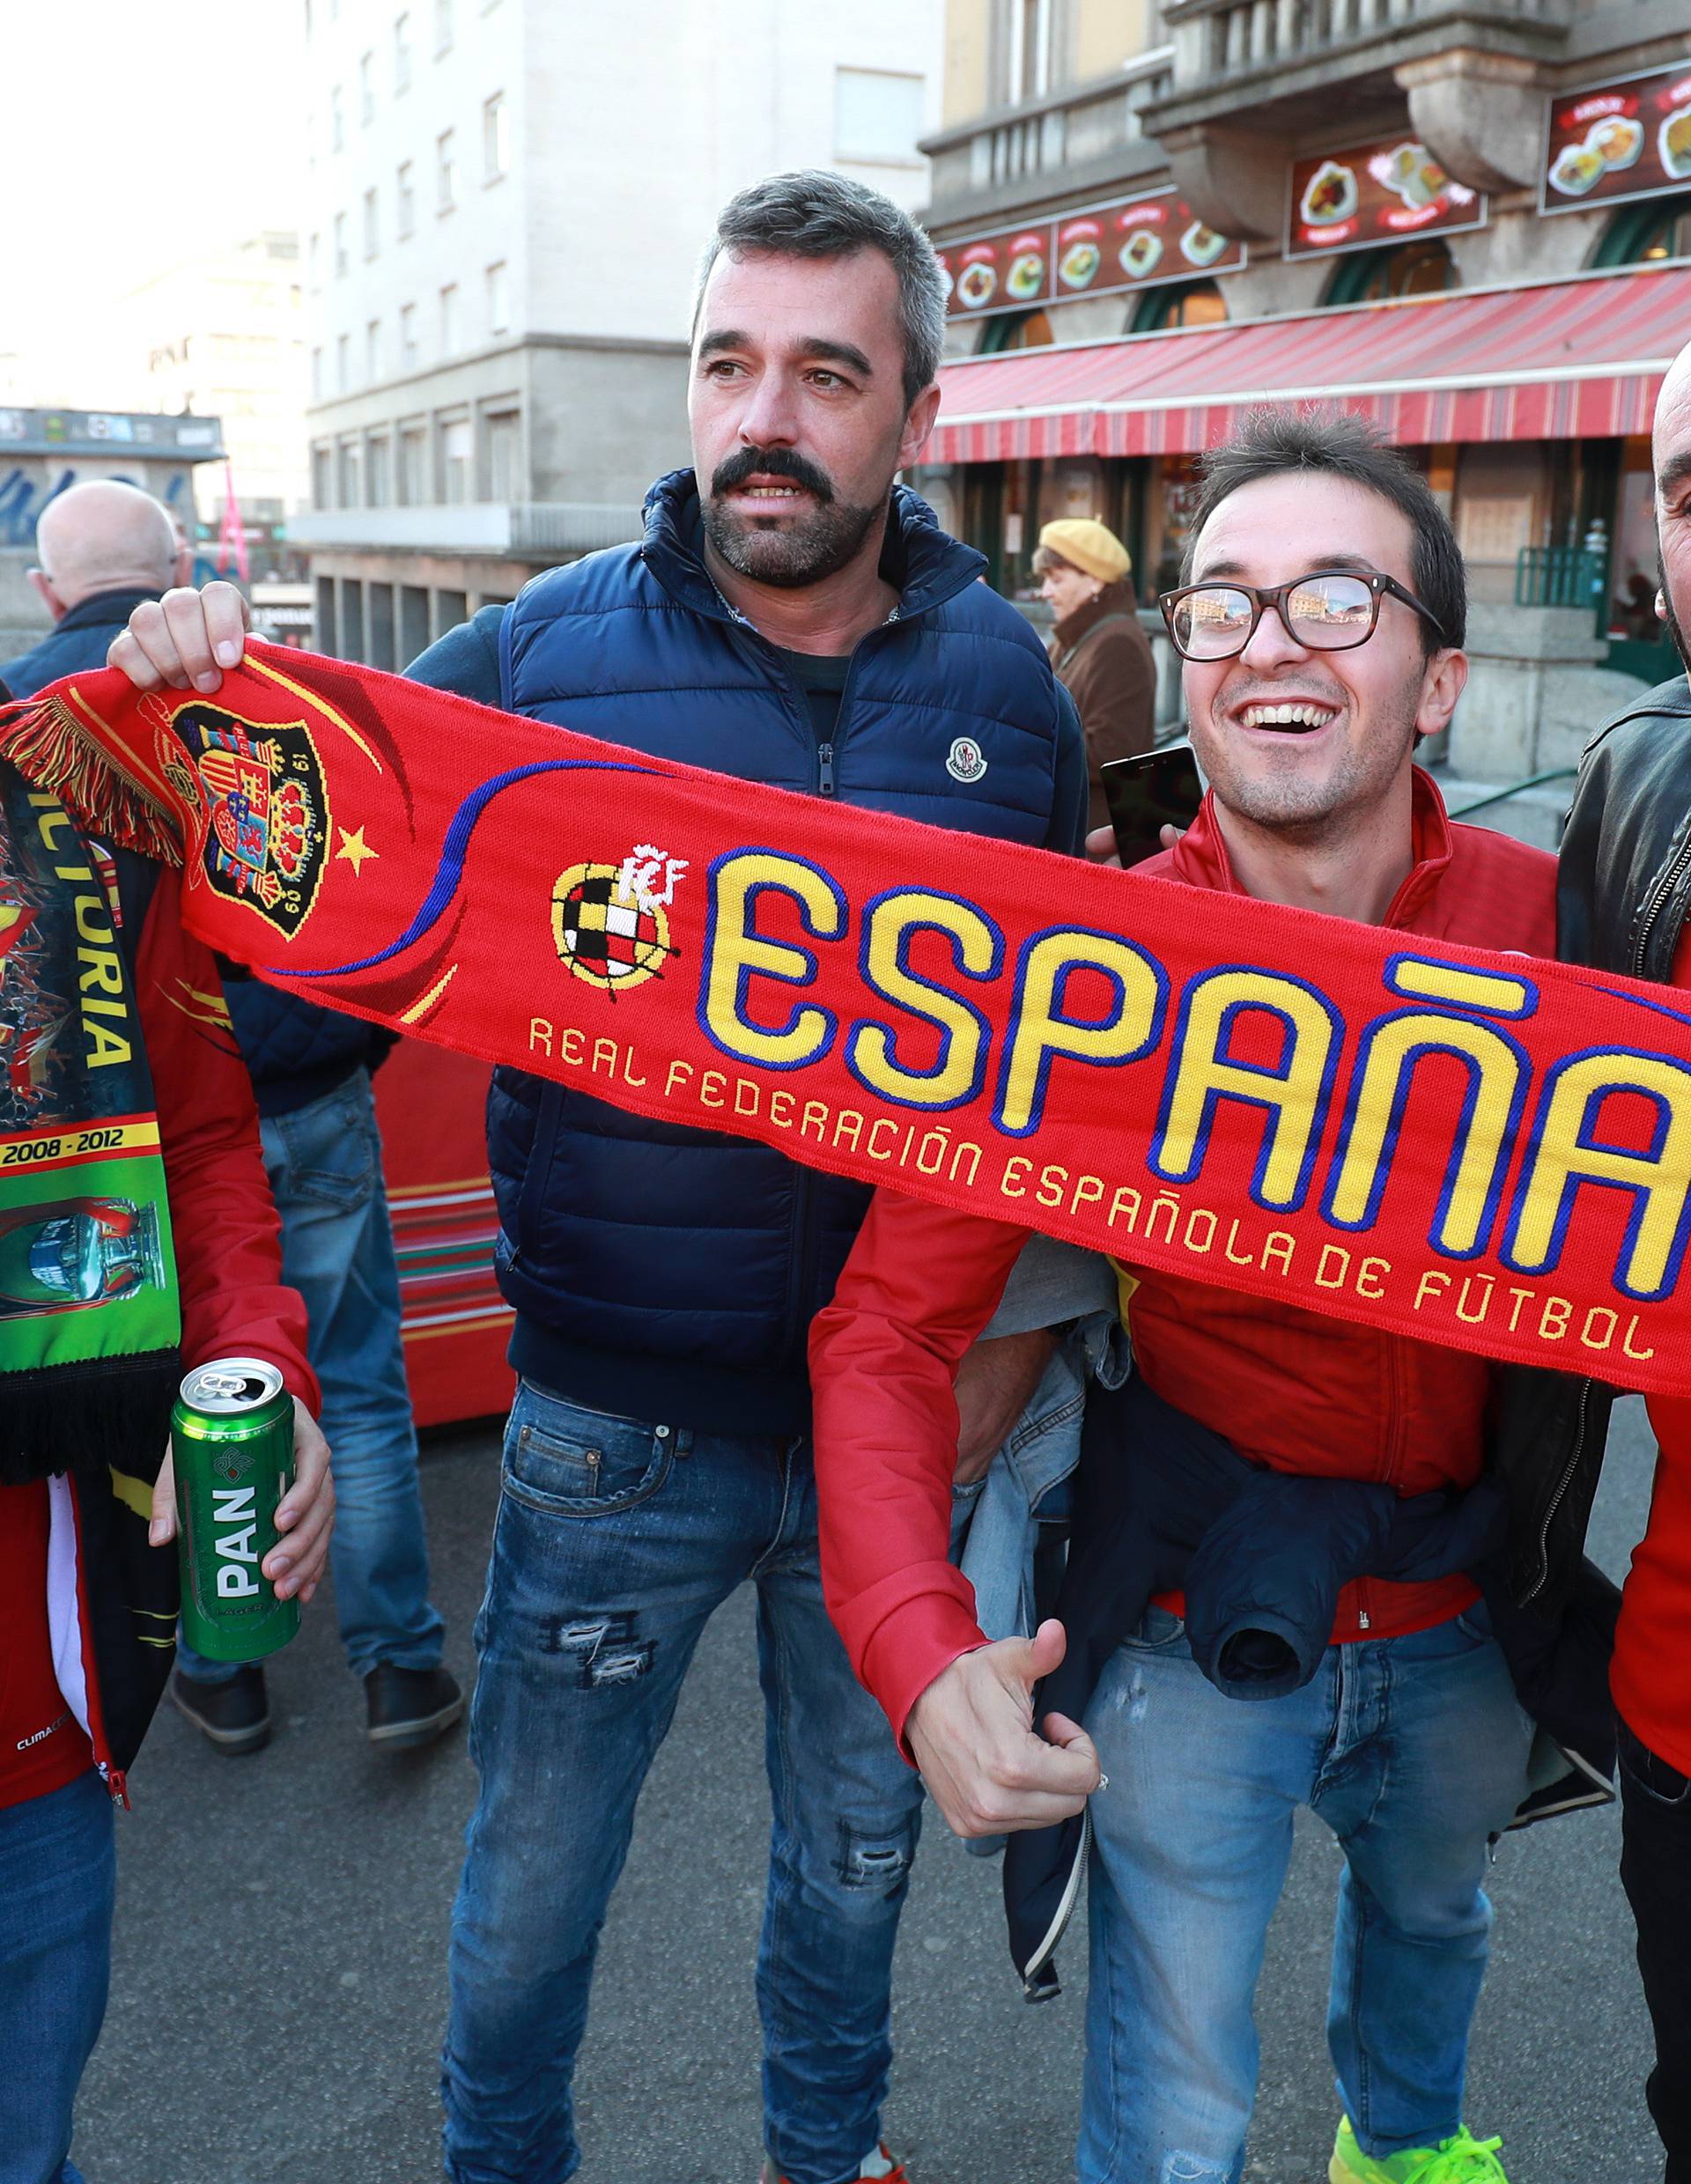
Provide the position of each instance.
(1463, 2159)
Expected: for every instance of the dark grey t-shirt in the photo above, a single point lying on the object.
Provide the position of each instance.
(822, 677)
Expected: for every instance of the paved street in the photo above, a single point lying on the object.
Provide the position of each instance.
(279, 1988)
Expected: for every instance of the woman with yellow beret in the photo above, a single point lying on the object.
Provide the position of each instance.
(1099, 652)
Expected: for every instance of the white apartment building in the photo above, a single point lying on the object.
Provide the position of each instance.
(510, 198)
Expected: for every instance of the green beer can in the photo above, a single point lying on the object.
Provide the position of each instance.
(232, 1431)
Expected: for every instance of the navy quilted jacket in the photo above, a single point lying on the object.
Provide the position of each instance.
(672, 1273)
(295, 1052)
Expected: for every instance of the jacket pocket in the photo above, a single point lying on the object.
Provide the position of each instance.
(1652, 1777)
(537, 1173)
(564, 1461)
(1156, 1631)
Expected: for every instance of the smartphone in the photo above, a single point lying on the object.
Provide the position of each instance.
(1145, 794)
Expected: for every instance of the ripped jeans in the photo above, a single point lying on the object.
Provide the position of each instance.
(614, 1541)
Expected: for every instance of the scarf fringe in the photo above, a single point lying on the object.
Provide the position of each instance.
(86, 1416)
(51, 747)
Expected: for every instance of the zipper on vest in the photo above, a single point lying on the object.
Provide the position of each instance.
(825, 753)
(1563, 1482)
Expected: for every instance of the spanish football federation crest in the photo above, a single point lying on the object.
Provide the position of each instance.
(610, 921)
(261, 790)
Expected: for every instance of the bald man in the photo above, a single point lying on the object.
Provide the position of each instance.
(102, 549)
(1624, 903)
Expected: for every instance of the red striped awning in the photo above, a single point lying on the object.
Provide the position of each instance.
(1565, 360)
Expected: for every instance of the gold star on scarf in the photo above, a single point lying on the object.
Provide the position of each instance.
(354, 848)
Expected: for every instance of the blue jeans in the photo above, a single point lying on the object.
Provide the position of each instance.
(1413, 1752)
(58, 1881)
(324, 1163)
(614, 1541)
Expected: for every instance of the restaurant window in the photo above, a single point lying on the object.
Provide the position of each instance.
(1423, 268)
(1644, 234)
(1184, 303)
(1015, 329)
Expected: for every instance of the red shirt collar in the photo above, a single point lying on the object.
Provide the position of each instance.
(1200, 858)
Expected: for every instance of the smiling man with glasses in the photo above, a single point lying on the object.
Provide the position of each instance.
(1321, 625)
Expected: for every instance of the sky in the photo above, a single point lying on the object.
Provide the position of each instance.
(136, 132)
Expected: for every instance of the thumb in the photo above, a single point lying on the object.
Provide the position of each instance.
(162, 1526)
(1046, 1653)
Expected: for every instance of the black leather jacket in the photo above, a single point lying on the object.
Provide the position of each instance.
(1622, 895)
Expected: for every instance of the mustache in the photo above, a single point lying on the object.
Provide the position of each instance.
(749, 463)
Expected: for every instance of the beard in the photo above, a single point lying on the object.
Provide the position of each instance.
(1671, 621)
(787, 550)
(1296, 804)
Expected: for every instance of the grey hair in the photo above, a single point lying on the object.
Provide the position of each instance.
(814, 214)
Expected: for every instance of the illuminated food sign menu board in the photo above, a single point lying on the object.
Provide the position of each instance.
(1380, 193)
(1627, 139)
(1093, 250)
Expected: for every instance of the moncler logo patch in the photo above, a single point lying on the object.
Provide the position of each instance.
(965, 761)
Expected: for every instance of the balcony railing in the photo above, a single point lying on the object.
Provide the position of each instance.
(1044, 144)
(1225, 38)
(1562, 576)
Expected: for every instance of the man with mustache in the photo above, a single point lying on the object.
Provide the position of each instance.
(1623, 899)
(793, 618)
(1320, 624)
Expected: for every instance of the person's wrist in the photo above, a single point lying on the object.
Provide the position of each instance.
(947, 1679)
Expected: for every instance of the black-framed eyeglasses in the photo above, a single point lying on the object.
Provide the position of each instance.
(1330, 610)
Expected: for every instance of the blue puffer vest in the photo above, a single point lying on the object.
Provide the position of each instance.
(672, 1273)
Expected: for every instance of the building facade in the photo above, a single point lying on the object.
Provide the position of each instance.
(1470, 219)
(510, 200)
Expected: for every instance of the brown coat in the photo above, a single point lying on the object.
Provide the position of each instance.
(1103, 659)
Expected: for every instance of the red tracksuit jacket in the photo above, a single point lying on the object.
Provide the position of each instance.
(223, 1220)
(1288, 1388)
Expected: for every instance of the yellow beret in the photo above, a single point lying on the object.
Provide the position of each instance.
(1091, 547)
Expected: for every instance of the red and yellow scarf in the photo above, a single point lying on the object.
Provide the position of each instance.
(1458, 1146)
